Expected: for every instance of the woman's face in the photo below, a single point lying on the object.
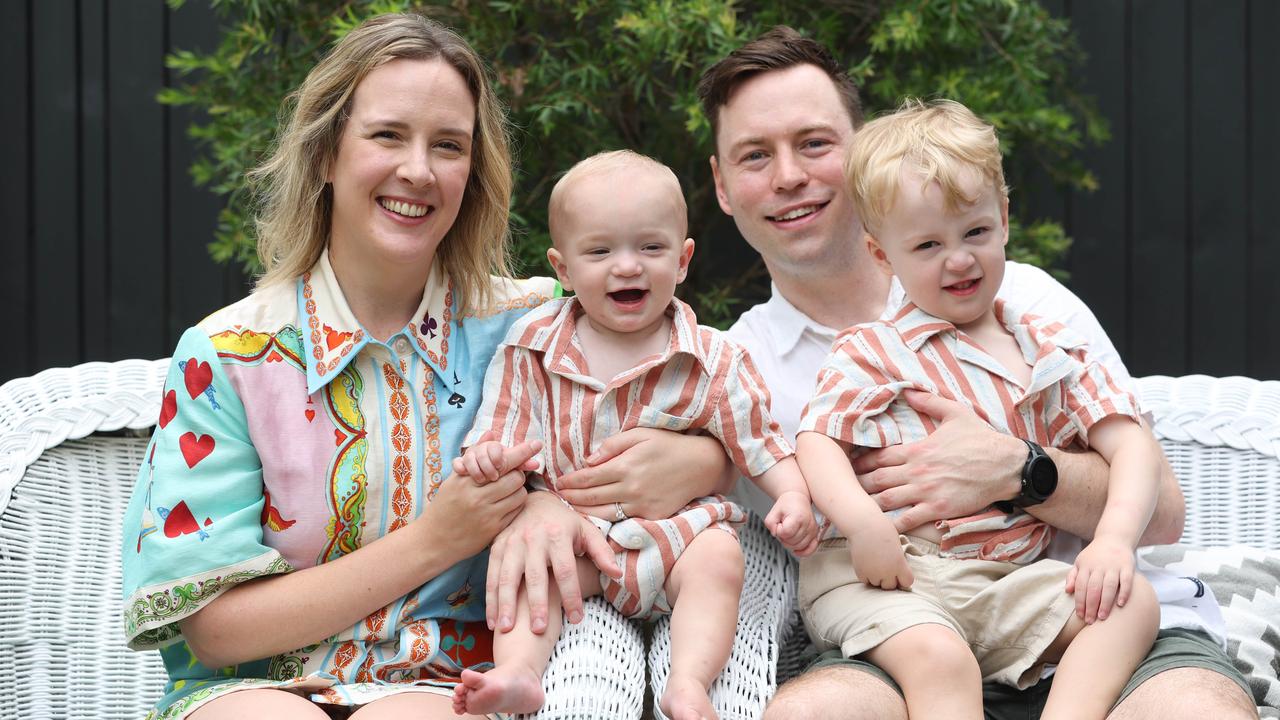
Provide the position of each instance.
(402, 165)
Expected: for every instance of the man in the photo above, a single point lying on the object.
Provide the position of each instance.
(782, 112)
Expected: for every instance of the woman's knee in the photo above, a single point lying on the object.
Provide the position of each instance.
(261, 702)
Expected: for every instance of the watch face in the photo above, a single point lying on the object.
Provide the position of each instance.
(1043, 476)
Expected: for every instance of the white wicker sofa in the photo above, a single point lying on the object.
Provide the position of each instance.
(72, 439)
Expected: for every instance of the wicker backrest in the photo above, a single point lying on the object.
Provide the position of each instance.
(1222, 436)
(62, 652)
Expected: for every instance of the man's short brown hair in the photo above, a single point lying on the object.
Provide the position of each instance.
(778, 49)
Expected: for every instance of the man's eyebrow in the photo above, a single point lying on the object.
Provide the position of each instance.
(759, 139)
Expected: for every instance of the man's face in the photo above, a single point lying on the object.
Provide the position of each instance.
(778, 171)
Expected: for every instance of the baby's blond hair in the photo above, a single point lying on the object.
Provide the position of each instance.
(603, 164)
(942, 138)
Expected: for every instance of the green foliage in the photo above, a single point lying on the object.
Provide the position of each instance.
(583, 76)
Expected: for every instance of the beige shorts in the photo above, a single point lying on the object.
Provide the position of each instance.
(1008, 614)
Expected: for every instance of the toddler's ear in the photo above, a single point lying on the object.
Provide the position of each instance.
(1004, 219)
(562, 270)
(686, 254)
(877, 253)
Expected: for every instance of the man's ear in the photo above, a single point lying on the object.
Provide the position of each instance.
(721, 195)
(686, 254)
(562, 270)
(877, 253)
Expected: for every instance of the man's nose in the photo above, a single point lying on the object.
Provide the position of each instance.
(788, 172)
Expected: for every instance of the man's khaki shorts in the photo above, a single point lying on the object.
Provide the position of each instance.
(1008, 614)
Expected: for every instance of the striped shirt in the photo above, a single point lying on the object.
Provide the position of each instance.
(539, 387)
(872, 364)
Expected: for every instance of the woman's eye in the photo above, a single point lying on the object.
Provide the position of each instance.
(451, 146)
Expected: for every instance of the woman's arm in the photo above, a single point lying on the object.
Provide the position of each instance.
(280, 613)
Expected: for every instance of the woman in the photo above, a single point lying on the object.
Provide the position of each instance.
(293, 547)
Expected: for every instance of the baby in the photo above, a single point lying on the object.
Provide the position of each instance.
(624, 353)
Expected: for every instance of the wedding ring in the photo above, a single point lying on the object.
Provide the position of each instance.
(618, 513)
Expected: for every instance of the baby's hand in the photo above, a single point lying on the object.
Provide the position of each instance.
(877, 555)
(1101, 578)
(488, 460)
(791, 521)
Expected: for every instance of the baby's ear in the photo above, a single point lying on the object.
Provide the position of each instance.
(561, 269)
(686, 254)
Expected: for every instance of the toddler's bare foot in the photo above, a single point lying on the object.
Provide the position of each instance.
(503, 689)
(686, 699)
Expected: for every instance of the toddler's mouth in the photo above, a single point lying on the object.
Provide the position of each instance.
(967, 287)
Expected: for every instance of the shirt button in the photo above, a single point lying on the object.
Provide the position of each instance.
(401, 346)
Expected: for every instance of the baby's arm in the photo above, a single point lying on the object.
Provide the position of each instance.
(873, 540)
(791, 518)
(1103, 572)
(488, 460)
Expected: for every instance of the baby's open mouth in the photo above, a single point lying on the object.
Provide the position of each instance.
(628, 296)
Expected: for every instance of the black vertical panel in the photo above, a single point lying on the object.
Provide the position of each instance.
(1158, 191)
(136, 188)
(1099, 258)
(54, 143)
(1033, 194)
(15, 180)
(93, 178)
(1264, 190)
(198, 286)
(1219, 217)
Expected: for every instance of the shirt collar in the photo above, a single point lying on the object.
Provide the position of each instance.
(563, 354)
(787, 323)
(333, 336)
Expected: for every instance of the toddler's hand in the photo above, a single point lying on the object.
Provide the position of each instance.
(488, 460)
(877, 555)
(791, 521)
(1101, 578)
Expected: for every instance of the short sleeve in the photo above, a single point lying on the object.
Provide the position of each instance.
(1091, 394)
(855, 389)
(742, 421)
(193, 527)
(512, 400)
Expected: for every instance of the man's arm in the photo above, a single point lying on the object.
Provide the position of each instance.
(966, 465)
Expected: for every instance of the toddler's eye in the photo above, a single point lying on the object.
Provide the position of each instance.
(927, 244)
(975, 232)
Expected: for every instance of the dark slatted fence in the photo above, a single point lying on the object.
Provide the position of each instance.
(104, 235)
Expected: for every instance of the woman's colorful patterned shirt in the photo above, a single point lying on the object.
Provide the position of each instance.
(289, 437)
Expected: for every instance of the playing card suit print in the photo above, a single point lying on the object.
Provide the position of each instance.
(333, 338)
(168, 408)
(311, 414)
(194, 449)
(197, 376)
(180, 521)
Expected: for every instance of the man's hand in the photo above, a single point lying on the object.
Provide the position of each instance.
(547, 533)
(650, 473)
(961, 468)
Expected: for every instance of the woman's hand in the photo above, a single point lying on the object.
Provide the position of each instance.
(650, 473)
(547, 533)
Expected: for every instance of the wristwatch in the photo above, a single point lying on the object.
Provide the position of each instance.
(1039, 480)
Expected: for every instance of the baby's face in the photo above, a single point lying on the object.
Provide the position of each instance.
(950, 262)
(620, 247)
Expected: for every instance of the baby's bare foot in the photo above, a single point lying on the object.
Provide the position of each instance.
(686, 699)
(503, 689)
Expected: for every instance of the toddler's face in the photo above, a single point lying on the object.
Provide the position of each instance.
(950, 262)
(621, 249)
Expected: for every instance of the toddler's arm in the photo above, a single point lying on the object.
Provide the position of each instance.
(791, 518)
(1103, 572)
(873, 540)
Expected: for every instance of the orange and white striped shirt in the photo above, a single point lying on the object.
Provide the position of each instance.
(538, 387)
(870, 366)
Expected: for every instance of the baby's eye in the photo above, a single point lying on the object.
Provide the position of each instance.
(598, 251)
(652, 247)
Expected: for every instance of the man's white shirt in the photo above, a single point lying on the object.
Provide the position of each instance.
(788, 347)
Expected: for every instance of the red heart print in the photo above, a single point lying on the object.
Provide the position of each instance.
(339, 437)
(311, 414)
(180, 521)
(195, 449)
(274, 357)
(168, 408)
(197, 376)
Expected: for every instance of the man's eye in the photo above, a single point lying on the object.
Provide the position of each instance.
(753, 156)
(815, 143)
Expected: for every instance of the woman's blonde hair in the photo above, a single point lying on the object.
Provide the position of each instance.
(942, 138)
(295, 201)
